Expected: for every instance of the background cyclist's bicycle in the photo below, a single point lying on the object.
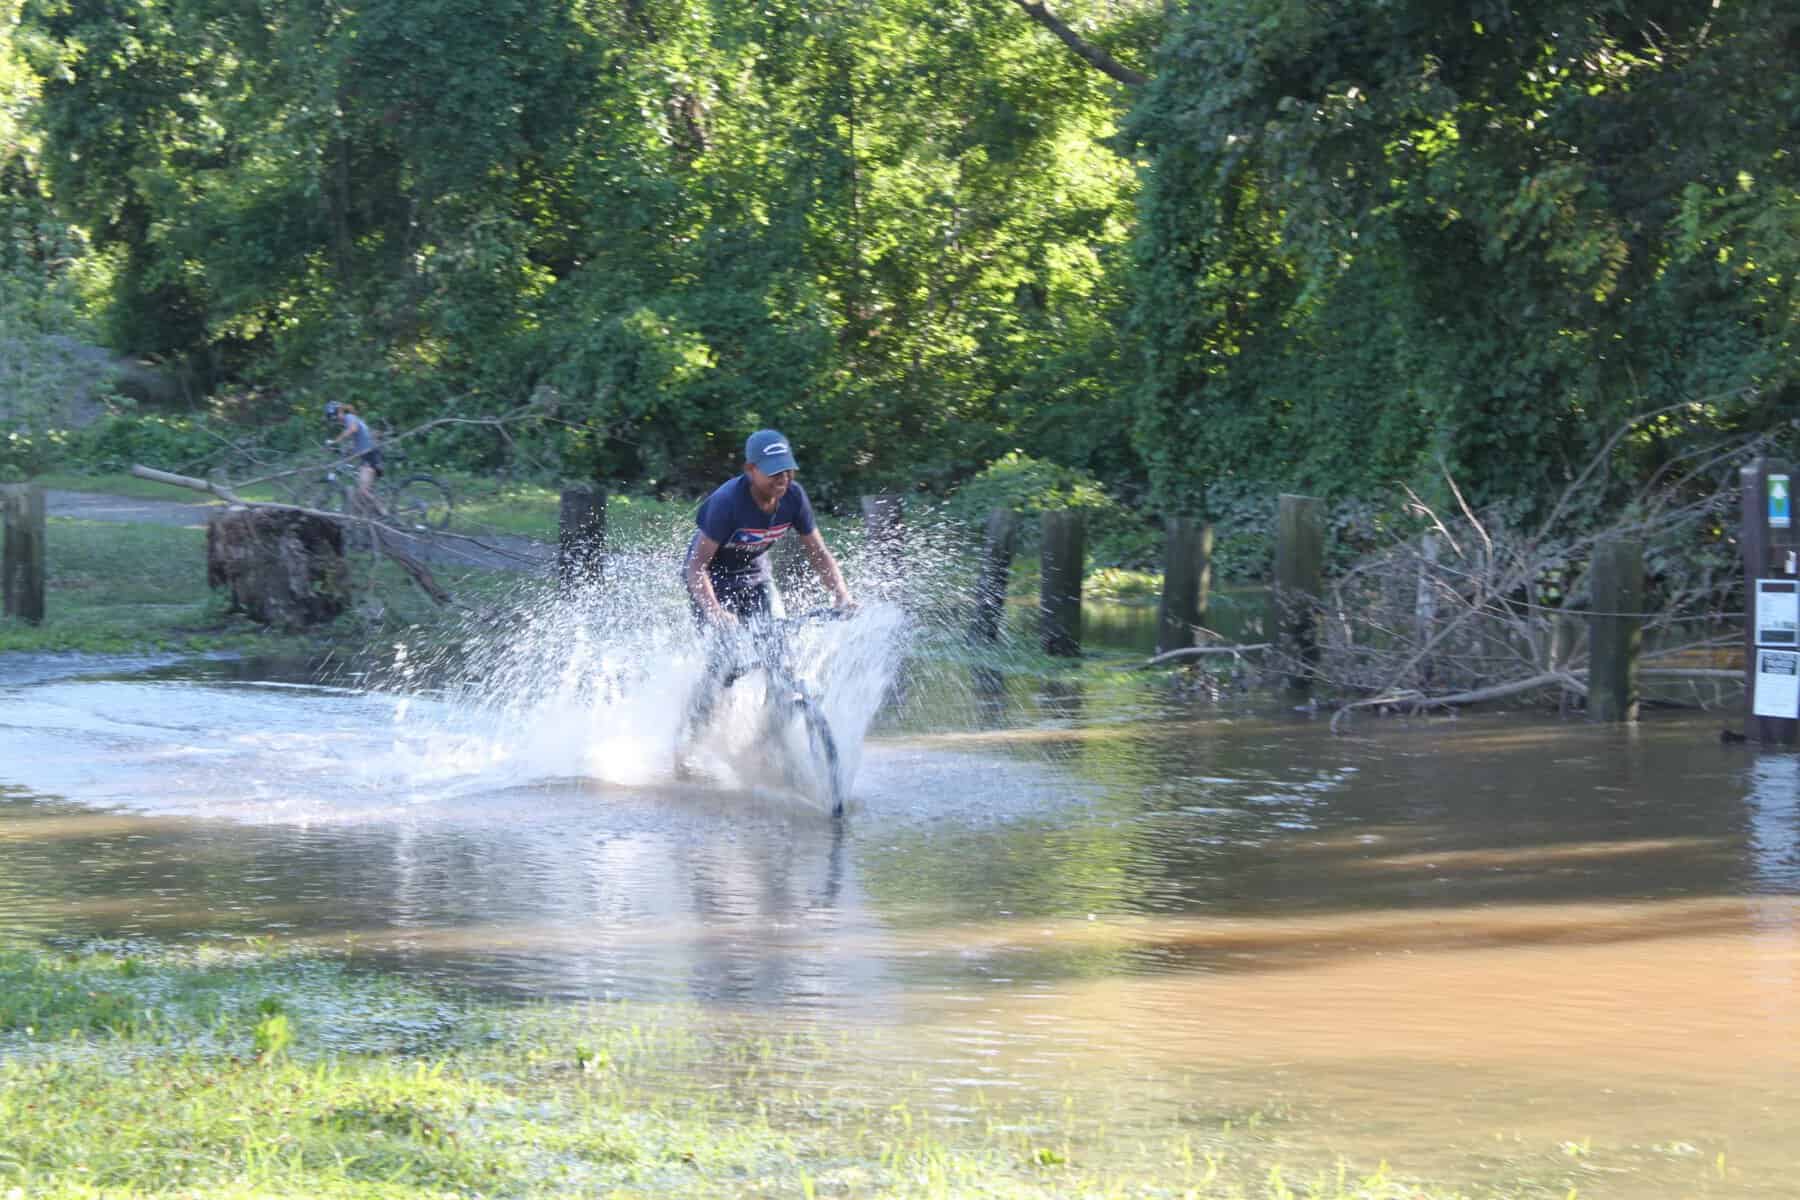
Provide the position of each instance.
(419, 503)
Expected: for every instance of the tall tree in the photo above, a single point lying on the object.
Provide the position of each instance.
(1382, 236)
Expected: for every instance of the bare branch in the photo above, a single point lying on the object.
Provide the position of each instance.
(1186, 652)
(1418, 700)
(1093, 55)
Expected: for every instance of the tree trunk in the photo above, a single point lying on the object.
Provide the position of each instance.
(282, 567)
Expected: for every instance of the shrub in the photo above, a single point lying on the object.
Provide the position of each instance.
(1117, 536)
(121, 438)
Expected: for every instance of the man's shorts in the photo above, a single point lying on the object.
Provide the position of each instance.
(372, 458)
(743, 599)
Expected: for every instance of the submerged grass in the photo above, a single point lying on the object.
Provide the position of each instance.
(250, 1072)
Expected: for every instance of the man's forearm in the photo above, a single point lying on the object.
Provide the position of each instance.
(701, 589)
(826, 566)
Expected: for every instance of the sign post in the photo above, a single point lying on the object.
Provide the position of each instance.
(1772, 596)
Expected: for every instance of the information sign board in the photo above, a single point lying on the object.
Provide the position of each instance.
(1777, 684)
(1781, 503)
(1777, 612)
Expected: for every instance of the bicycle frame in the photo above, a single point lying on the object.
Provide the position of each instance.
(788, 695)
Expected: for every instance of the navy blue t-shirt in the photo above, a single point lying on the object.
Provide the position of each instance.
(730, 517)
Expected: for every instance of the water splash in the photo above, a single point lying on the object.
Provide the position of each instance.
(594, 684)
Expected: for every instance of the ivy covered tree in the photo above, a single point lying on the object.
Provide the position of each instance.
(1378, 239)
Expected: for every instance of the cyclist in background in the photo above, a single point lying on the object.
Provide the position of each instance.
(362, 443)
(727, 572)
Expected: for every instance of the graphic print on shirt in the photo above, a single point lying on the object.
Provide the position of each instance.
(755, 539)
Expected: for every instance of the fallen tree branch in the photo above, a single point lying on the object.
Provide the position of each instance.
(1186, 652)
(192, 484)
(1499, 691)
(417, 570)
(1568, 680)
(523, 412)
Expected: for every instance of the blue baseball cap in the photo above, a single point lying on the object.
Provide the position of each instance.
(768, 452)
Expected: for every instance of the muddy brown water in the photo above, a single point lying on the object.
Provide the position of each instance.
(1469, 946)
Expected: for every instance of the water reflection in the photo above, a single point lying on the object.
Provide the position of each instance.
(1773, 802)
(988, 686)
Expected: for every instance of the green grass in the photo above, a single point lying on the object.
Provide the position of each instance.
(120, 590)
(533, 510)
(112, 587)
(118, 587)
(213, 1072)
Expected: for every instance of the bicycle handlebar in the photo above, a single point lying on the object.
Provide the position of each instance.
(813, 616)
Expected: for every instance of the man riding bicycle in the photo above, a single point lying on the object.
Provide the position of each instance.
(727, 573)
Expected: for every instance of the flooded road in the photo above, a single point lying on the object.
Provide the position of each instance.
(1463, 945)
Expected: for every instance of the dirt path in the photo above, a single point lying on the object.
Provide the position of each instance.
(490, 552)
(97, 506)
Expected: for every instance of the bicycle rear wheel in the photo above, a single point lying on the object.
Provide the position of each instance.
(421, 502)
(824, 753)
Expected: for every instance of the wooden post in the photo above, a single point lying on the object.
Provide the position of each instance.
(1615, 630)
(1766, 549)
(22, 559)
(1299, 583)
(1001, 537)
(581, 538)
(1059, 596)
(882, 515)
(1187, 580)
(1425, 598)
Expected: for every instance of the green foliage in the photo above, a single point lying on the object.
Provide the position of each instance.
(1382, 240)
(122, 439)
(1338, 247)
(684, 221)
(1117, 536)
(274, 1033)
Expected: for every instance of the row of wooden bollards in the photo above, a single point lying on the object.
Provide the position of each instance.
(1616, 580)
(1297, 586)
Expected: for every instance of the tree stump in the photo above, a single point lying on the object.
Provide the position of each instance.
(1187, 580)
(283, 568)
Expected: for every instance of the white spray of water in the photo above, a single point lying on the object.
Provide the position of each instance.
(595, 686)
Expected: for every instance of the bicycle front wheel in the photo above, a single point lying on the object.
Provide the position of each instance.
(421, 502)
(824, 754)
(323, 495)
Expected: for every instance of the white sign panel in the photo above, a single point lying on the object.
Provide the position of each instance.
(1777, 612)
(1777, 684)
